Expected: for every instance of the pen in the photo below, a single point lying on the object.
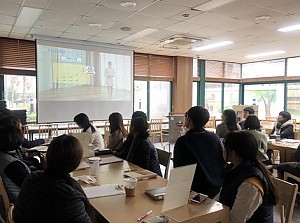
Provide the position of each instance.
(144, 215)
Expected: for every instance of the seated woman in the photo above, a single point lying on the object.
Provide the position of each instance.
(53, 195)
(31, 162)
(12, 170)
(252, 125)
(14, 120)
(201, 147)
(284, 126)
(249, 189)
(142, 152)
(82, 120)
(229, 123)
(118, 132)
(123, 152)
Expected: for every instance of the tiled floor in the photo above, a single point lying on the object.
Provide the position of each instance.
(296, 215)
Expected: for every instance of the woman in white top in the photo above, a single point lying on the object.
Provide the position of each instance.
(82, 120)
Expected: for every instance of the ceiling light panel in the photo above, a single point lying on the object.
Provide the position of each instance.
(289, 28)
(28, 16)
(211, 46)
(265, 54)
(140, 34)
(209, 5)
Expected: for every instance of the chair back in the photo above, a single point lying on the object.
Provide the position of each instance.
(164, 158)
(25, 131)
(155, 127)
(288, 176)
(73, 128)
(48, 130)
(10, 214)
(4, 195)
(211, 122)
(287, 197)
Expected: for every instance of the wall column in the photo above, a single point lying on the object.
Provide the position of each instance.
(182, 84)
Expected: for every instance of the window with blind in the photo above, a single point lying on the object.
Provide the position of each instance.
(219, 69)
(153, 67)
(17, 56)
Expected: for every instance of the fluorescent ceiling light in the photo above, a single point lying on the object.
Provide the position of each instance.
(140, 34)
(223, 43)
(289, 28)
(28, 16)
(211, 4)
(265, 54)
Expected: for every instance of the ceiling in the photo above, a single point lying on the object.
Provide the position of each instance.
(159, 20)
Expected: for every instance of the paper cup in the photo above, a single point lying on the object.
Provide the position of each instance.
(94, 163)
(130, 186)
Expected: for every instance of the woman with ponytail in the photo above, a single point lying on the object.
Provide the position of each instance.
(249, 189)
(53, 195)
(83, 122)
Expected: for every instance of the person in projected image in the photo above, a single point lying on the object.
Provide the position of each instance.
(109, 73)
(82, 120)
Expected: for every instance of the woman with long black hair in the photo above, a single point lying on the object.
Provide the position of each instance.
(249, 189)
(82, 120)
(229, 123)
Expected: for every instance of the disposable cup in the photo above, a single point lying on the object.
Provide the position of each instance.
(94, 163)
(130, 186)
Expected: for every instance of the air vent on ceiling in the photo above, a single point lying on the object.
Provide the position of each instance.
(181, 41)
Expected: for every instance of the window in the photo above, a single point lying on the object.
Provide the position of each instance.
(232, 70)
(293, 66)
(231, 95)
(195, 94)
(20, 93)
(270, 68)
(293, 98)
(160, 95)
(213, 98)
(268, 97)
(218, 69)
(140, 96)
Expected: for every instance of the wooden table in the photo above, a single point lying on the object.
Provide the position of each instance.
(286, 149)
(120, 208)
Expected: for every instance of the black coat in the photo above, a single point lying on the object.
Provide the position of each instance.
(143, 153)
(46, 199)
(205, 149)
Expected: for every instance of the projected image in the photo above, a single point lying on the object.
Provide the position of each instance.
(80, 75)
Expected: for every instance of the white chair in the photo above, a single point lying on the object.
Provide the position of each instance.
(155, 127)
(73, 128)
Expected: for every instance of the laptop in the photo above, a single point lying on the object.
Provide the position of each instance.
(84, 138)
(181, 179)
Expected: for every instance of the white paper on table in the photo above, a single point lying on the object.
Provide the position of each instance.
(102, 190)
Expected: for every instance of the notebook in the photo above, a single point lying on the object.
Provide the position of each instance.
(157, 194)
(181, 179)
(141, 174)
(84, 138)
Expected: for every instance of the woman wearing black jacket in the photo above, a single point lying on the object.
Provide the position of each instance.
(53, 195)
(284, 126)
(142, 152)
